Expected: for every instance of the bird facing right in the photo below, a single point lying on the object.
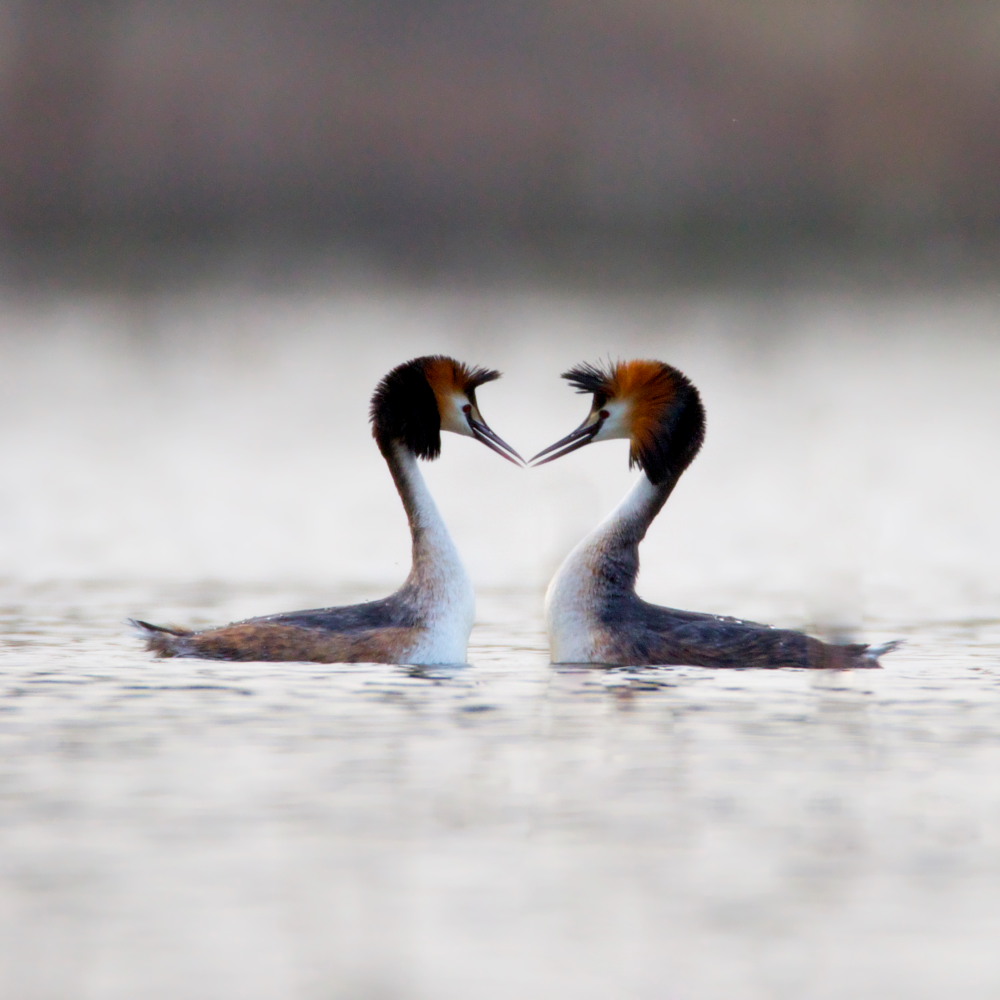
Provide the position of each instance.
(427, 620)
(592, 611)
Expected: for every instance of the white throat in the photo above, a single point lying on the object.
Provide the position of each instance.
(578, 587)
(438, 581)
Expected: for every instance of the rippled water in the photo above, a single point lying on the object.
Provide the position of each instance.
(178, 828)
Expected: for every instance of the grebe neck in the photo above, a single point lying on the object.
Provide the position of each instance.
(436, 562)
(617, 537)
(599, 573)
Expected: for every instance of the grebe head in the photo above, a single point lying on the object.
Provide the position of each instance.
(650, 403)
(420, 398)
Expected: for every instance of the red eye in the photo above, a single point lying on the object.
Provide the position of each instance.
(467, 409)
(604, 414)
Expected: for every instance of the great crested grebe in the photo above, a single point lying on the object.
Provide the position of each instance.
(428, 620)
(592, 611)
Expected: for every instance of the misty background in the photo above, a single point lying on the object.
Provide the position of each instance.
(539, 137)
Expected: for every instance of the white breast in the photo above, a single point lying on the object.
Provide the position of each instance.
(444, 594)
(450, 616)
(570, 608)
(574, 595)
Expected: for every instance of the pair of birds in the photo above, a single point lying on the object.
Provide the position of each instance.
(592, 611)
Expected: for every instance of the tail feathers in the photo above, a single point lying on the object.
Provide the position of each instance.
(164, 640)
(871, 654)
(146, 627)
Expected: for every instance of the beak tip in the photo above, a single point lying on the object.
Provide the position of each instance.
(582, 436)
(485, 435)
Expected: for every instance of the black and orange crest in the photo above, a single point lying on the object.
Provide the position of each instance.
(475, 377)
(590, 378)
(467, 379)
(405, 406)
(668, 420)
(405, 409)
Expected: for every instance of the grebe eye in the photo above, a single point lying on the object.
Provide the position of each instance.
(467, 409)
(604, 414)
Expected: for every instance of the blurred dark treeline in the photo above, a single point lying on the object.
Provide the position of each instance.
(693, 122)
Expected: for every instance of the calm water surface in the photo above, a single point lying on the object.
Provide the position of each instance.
(506, 828)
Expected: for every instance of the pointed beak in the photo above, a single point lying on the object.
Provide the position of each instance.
(583, 435)
(481, 432)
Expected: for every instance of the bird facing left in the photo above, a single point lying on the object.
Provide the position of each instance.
(429, 618)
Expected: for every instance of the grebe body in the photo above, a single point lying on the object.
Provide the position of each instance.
(593, 614)
(429, 619)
